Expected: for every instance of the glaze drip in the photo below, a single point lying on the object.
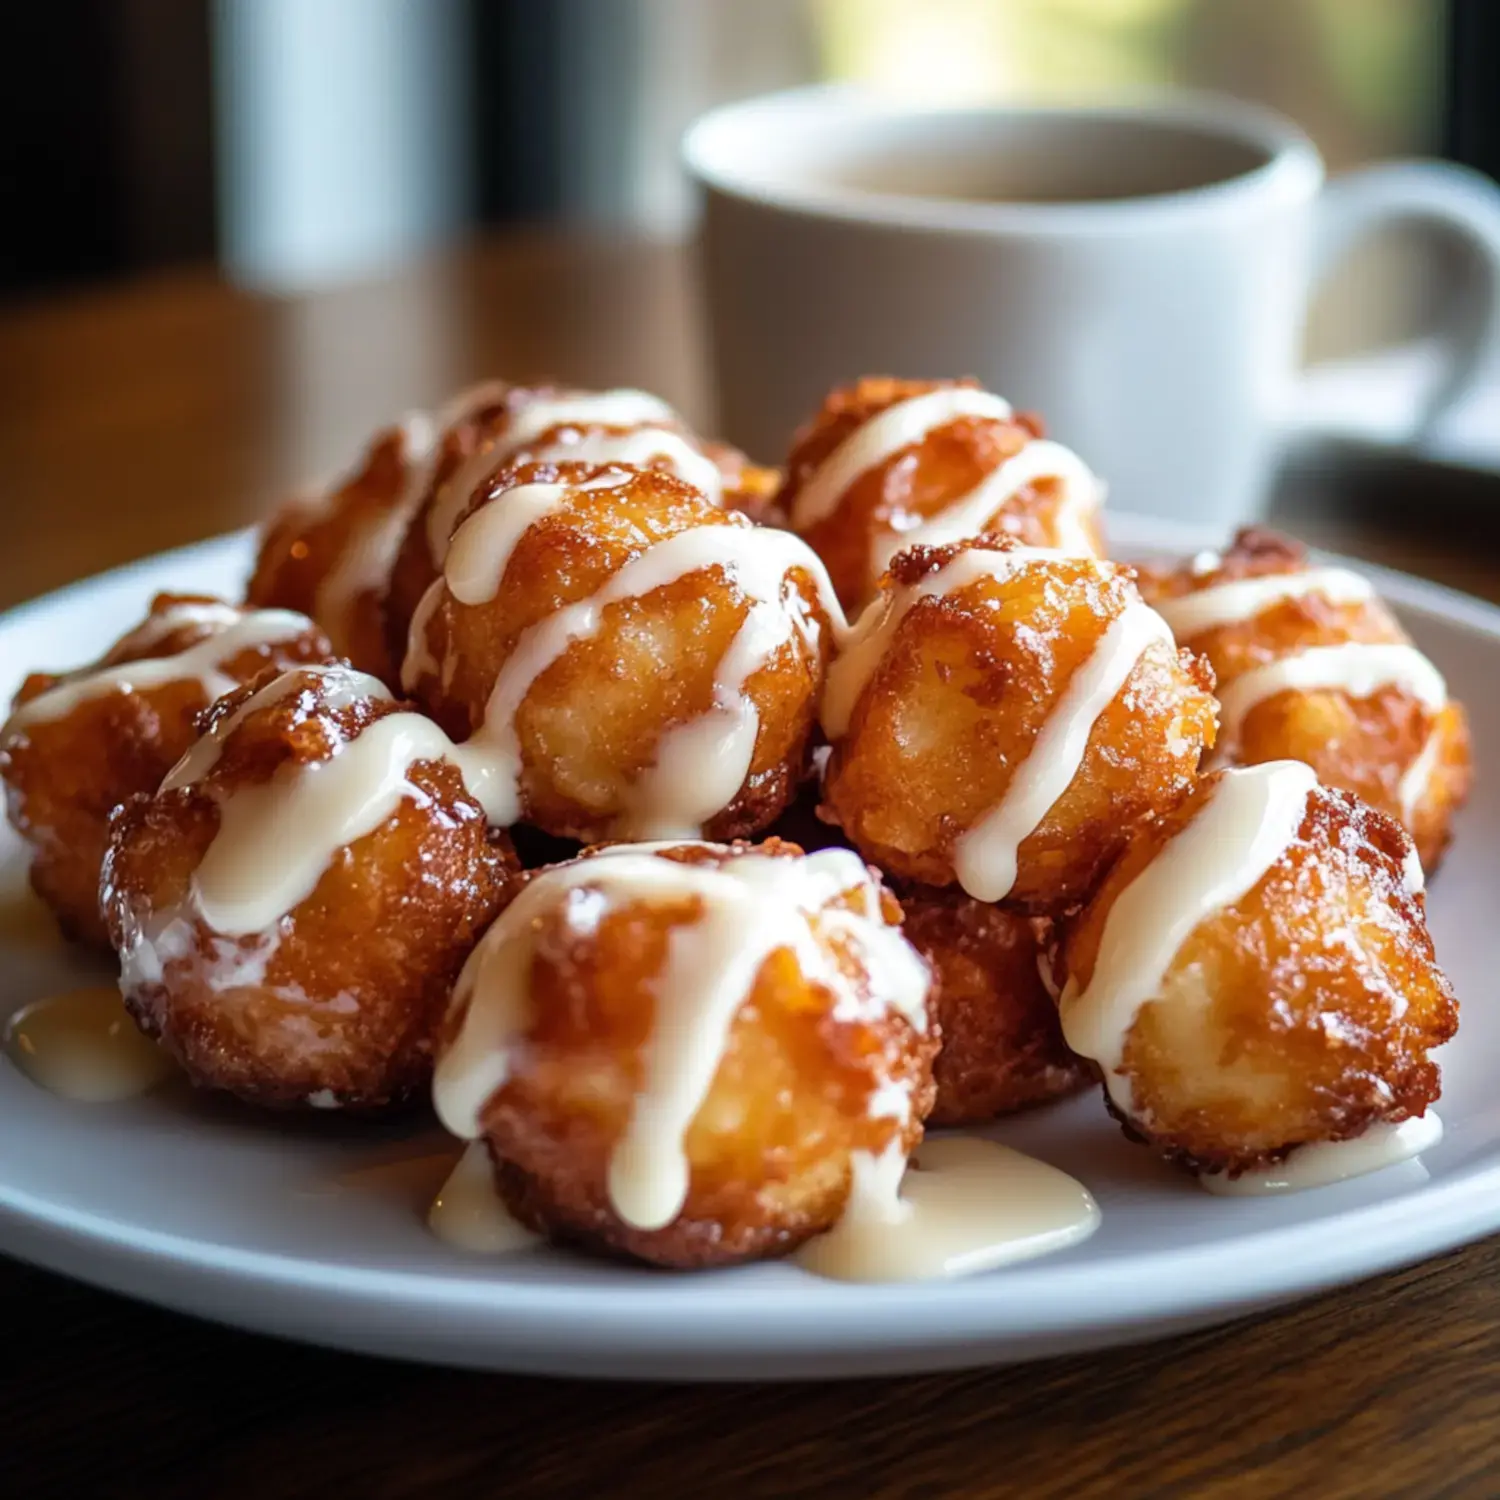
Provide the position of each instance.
(752, 905)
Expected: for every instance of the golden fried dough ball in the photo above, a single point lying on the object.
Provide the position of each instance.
(470, 432)
(292, 907)
(628, 660)
(77, 744)
(1004, 719)
(330, 555)
(887, 464)
(497, 427)
(1255, 974)
(1002, 1044)
(674, 1052)
(1312, 666)
(747, 487)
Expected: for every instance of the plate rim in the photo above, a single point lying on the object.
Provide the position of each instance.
(969, 1321)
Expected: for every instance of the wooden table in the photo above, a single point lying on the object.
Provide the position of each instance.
(138, 419)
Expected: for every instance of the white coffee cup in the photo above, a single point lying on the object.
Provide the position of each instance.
(1137, 274)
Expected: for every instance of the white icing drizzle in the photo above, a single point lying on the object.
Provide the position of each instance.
(588, 411)
(366, 561)
(201, 662)
(1358, 668)
(751, 905)
(1233, 840)
(221, 964)
(481, 548)
(83, 1046)
(1413, 877)
(1319, 1163)
(969, 514)
(342, 686)
(1418, 775)
(419, 660)
(701, 764)
(965, 1205)
(468, 1214)
(275, 840)
(205, 614)
(984, 858)
(867, 642)
(1076, 509)
(584, 409)
(884, 435)
(464, 404)
(1242, 599)
(365, 564)
(642, 447)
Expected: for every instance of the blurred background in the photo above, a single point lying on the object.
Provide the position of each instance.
(306, 153)
(299, 142)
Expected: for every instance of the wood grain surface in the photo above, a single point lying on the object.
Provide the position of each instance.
(136, 420)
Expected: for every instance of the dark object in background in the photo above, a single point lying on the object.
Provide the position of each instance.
(1473, 104)
(517, 141)
(1328, 485)
(107, 135)
(106, 140)
(107, 131)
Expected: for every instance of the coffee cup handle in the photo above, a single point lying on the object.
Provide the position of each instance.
(1450, 197)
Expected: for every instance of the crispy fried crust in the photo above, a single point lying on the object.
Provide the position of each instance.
(1363, 746)
(415, 568)
(343, 1005)
(747, 488)
(1002, 1044)
(309, 541)
(914, 484)
(963, 689)
(64, 776)
(592, 723)
(1305, 1011)
(768, 1149)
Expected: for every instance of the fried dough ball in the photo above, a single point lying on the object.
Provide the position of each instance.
(636, 662)
(498, 427)
(1002, 1044)
(1005, 719)
(292, 907)
(748, 487)
(330, 555)
(1312, 666)
(887, 464)
(1256, 974)
(79, 743)
(674, 1052)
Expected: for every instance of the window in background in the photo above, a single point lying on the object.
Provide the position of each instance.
(1364, 78)
(343, 135)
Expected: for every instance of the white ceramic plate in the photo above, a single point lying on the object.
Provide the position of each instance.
(303, 1229)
